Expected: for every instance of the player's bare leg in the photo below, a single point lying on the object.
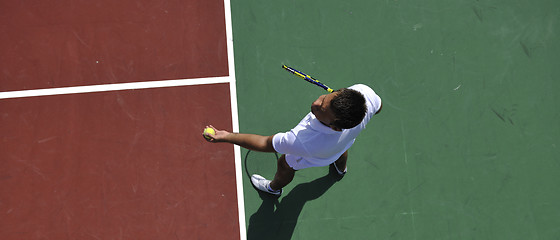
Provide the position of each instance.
(284, 174)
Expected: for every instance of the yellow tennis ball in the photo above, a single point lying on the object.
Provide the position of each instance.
(208, 131)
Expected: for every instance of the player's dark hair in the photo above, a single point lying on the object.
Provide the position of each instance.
(349, 107)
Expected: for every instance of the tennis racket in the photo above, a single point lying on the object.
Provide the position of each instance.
(307, 78)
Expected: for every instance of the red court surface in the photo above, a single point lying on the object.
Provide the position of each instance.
(63, 43)
(129, 164)
(117, 165)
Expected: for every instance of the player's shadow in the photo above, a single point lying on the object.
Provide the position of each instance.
(277, 219)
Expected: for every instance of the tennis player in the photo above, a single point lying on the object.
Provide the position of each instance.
(321, 138)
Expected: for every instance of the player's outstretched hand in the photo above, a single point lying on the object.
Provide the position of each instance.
(219, 135)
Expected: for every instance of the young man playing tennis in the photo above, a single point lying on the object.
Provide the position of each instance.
(322, 137)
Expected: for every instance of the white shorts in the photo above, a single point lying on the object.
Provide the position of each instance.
(298, 163)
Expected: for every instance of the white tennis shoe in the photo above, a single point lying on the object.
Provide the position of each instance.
(263, 184)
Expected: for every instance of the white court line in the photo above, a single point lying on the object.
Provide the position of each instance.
(113, 87)
(235, 122)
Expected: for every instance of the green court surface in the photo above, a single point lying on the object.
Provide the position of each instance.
(467, 144)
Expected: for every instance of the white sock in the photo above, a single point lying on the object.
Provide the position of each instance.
(339, 172)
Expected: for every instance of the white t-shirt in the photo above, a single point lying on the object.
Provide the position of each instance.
(312, 144)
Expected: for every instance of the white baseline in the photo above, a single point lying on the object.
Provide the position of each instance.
(114, 87)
